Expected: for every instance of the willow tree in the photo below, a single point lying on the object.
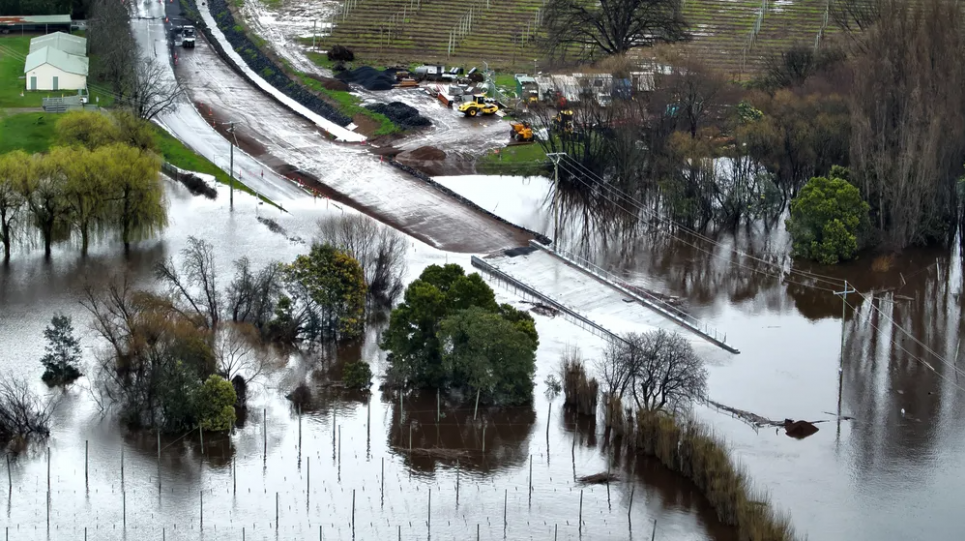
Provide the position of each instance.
(85, 191)
(138, 209)
(46, 196)
(15, 169)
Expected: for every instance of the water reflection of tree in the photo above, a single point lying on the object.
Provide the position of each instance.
(507, 432)
(886, 371)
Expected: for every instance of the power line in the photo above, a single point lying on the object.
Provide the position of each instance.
(696, 247)
(604, 185)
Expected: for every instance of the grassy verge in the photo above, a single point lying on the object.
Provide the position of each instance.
(689, 449)
(182, 157)
(515, 160)
(13, 50)
(31, 132)
(350, 105)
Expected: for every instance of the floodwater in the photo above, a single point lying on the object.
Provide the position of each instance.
(895, 469)
(340, 470)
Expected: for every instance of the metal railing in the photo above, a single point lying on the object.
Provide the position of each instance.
(581, 320)
(673, 313)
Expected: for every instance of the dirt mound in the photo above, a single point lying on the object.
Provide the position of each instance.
(402, 115)
(368, 78)
(434, 162)
(427, 153)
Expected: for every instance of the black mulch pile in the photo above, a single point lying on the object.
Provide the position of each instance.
(369, 78)
(405, 116)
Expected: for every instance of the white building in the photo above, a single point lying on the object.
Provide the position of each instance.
(57, 61)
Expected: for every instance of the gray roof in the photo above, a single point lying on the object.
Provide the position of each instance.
(75, 45)
(59, 59)
(10, 20)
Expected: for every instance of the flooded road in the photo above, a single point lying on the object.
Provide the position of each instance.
(310, 466)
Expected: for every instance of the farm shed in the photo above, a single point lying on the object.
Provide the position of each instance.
(49, 68)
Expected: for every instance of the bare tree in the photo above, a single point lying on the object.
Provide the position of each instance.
(153, 89)
(659, 369)
(23, 414)
(110, 39)
(194, 286)
(580, 392)
(240, 352)
(252, 296)
(611, 26)
(855, 16)
(379, 249)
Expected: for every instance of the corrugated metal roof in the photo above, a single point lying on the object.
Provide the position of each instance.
(9, 20)
(68, 63)
(75, 45)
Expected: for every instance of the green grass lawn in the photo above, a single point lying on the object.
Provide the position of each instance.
(349, 105)
(31, 132)
(13, 50)
(514, 160)
(178, 155)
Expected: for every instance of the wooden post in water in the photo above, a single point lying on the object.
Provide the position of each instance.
(159, 460)
(505, 502)
(308, 476)
(383, 479)
(201, 436)
(10, 478)
(476, 409)
(438, 407)
(264, 413)
(299, 431)
(653, 534)
(201, 506)
(581, 511)
(86, 448)
(122, 465)
(556, 531)
(124, 507)
(484, 439)
(276, 511)
(530, 474)
(429, 514)
(401, 412)
(353, 512)
(457, 483)
(234, 476)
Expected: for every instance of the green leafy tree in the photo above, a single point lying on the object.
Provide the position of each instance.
(85, 190)
(138, 210)
(46, 196)
(88, 129)
(828, 219)
(484, 351)
(62, 352)
(15, 169)
(357, 375)
(418, 353)
(329, 285)
(215, 404)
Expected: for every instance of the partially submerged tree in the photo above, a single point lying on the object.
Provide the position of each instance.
(829, 220)
(215, 404)
(611, 26)
(16, 169)
(251, 295)
(379, 249)
(357, 375)
(449, 333)
(658, 369)
(194, 286)
(23, 414)
(62, 352)
(327, 292)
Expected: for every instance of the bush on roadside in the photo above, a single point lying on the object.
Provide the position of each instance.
(339, 53)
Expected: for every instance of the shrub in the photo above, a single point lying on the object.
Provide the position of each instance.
(828, 219)
(357, 375)
(62, 352)
(216, 404)
(339, 53)
(579, 391)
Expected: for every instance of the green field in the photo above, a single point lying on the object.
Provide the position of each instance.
(13, 51)
(514, 160)
(32, 132)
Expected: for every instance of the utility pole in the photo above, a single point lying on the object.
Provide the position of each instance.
(555, 156)
(844, 306)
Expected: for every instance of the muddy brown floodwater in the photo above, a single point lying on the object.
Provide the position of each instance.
(306, 471)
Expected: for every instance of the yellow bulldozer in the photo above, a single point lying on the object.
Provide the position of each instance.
(521, 132)
(479, 105)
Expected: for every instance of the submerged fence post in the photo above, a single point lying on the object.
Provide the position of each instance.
(276, 511)
(383, 480)
(581, 511)
(201, 504)
(653, 534)
(264, 413)
(86, 454)
(484, 439)
(353, 512)
(201, 436)
(429, 514)
(476, 409)
(505, 502)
